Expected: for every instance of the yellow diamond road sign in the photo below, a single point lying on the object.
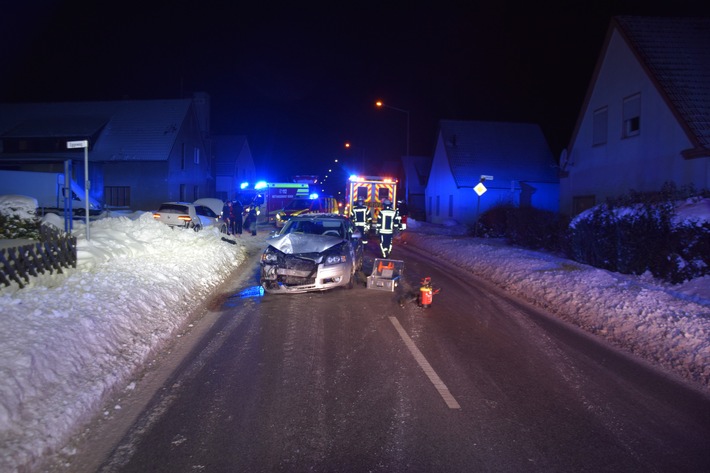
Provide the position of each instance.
(480, 189)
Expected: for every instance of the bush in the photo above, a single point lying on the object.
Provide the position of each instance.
(638, 232)
(631, 234)
(525, 226)
(12, 226)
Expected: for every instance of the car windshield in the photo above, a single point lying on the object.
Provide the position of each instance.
(298, 204)
(315, 227)
(174, 208)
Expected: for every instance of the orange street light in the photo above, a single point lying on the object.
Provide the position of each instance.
(381, 104)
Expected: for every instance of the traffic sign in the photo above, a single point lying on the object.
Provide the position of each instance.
(78, 144)
(480, 189)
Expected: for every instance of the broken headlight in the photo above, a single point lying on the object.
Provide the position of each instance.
(269, 256)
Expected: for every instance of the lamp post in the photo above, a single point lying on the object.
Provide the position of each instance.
(381, 104)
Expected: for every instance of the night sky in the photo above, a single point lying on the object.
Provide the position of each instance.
(300, 81)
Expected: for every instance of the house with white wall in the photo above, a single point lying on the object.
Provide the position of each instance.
(645, 120)
(516, 156)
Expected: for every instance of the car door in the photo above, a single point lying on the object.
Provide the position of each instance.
(206, 215)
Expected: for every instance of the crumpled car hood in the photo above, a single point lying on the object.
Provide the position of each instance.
(296, 243)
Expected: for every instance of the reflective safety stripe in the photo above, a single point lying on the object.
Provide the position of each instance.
(360, 214)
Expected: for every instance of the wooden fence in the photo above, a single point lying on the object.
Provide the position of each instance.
(54, 251)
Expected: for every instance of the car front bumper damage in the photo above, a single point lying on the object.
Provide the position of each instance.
(303, 277)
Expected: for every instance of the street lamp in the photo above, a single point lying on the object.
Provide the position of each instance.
(381, 104)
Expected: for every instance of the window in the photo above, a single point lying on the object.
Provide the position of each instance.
(362, 193)
(599, 126)
(438, 198)
(196, 156)
(117, 196)
(183, 193)
(451, 206)
(429, 206)
(632, 115)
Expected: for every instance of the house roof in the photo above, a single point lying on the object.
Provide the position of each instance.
(141, 130)
(676, 53)
(506, 151)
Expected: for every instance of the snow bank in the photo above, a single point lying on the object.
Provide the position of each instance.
(666, 325)
(69, 339)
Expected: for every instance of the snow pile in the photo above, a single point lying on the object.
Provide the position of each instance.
(69, 339)
(18, 205)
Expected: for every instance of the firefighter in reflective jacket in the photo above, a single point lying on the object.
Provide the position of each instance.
(387, 221)
(361, 216)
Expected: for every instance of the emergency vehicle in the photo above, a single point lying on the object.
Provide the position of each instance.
(372, 190)
(276, 196)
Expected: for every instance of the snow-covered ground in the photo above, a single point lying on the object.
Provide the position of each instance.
(70, 339)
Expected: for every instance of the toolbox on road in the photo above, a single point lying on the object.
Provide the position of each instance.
(385, 274)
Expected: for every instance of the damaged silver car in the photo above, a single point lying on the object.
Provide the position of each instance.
(312, 252)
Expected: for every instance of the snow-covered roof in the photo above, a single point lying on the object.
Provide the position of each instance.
(676, 54)
(140, 130)
(507, 151)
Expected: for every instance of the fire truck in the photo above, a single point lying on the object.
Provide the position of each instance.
(372, 190)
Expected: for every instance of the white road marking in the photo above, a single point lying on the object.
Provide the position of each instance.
(428, 370)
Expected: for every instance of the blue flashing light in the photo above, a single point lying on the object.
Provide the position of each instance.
(353, 177)
(244, 185)
(313, 196)
(260, 185)
(254, 291)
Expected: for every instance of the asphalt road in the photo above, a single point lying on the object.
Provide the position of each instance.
(366, 381)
